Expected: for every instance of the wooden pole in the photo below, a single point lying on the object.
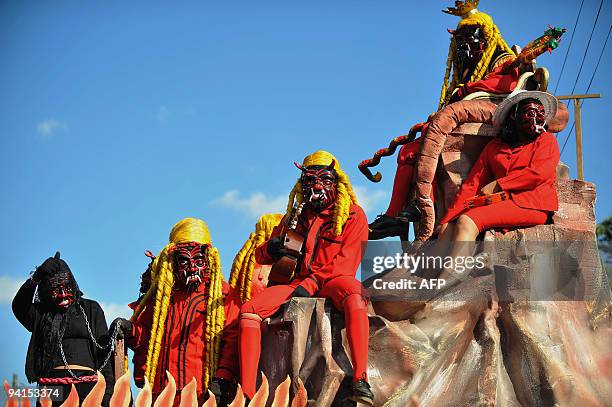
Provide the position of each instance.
(577, 118)
(119, 358)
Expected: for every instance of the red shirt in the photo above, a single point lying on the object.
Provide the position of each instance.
(182, 350)
(528, 171)
(500, 80)
(325, 256)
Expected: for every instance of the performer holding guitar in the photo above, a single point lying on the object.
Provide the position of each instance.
(322, 211)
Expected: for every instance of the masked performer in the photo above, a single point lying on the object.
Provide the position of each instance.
(519, 166)
(478, 60)
(70, 339)
(333, 227)
(187, 322)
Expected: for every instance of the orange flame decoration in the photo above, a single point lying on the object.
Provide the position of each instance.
(122, 395)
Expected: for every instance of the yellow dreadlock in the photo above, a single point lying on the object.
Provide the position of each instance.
(344, 191)
(494, 42)
(244, 262)
(185, 231)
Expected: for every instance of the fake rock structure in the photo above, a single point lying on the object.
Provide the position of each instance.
(528, 331)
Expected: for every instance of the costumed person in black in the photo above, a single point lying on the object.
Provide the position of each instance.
(70, 339)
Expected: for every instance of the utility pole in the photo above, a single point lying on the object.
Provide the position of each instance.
(578, 120)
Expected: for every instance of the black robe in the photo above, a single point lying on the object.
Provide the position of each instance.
(78, 347)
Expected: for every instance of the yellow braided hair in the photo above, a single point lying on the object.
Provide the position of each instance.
(495, 42)
(344, 193)
(244, 262)
(188, 230)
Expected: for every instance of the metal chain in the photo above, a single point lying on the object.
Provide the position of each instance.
(93, 339)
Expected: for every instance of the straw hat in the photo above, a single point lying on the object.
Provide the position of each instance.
(503, 109)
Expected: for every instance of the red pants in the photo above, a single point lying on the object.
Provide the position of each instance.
(404, 182)
(505, 214)
(346, 295)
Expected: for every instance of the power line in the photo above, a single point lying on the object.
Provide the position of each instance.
(568, 48)
(587, 49)
(603, 48)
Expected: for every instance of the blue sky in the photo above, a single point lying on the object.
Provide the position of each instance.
(120, 118)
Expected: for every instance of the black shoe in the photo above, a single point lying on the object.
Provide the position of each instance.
(388, 226)
(361, 393)
(410, 213)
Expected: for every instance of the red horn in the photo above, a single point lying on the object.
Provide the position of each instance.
(331, 166)
(301, 168)
(451, 32)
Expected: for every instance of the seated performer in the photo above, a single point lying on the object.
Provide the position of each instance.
(521, 162)
(334, 227)
(479, 60)
(187, 321)
(70, 339)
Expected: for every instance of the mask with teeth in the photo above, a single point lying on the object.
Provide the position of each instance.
(191, 265)
(59, 290)
(319, 184)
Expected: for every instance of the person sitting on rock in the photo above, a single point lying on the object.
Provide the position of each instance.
(70, 338)
(187, 322)
(478, 60)
(521, 162)
(323, 210)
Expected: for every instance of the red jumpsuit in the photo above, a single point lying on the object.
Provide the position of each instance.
(327, 269)
(527, 171)
(183, 344)
(501, 80)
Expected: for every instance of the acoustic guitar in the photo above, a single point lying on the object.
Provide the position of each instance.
(283, 270)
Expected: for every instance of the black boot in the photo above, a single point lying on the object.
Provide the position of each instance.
(361, 393)
(387, 226)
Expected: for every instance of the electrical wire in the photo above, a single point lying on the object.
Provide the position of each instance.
(603, 48)
(568, 48)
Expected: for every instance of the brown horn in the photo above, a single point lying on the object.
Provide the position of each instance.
(331, 166)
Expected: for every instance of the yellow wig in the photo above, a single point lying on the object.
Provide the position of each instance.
(187, 230)
(485, 65)
(344, 192)
(244, 262)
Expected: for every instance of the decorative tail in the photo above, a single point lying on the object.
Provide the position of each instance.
(365, 165)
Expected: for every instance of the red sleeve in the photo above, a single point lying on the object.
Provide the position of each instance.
(542, 167)
(228, 367)
(346, 262)
(141, 329)
(261, 253)
(478, 177)
(502, 79)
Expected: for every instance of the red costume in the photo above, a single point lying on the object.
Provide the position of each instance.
(326, 270)
(333, 227)
(182, 350)
(527, 171)
(501, 80)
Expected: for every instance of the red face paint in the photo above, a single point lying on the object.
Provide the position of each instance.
(319, 187)
(191, 264)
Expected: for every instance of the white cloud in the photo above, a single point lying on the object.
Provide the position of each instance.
(370, 200)
(9, 285)
(254, 205)
(162, 114)
(113, 310)
(48, 127)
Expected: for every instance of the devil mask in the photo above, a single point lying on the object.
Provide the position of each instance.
(469, 46)
(58, 288)
(191, 265)
(530, 118)
(319, 184)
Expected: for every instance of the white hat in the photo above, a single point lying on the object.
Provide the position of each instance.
(548, 101)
